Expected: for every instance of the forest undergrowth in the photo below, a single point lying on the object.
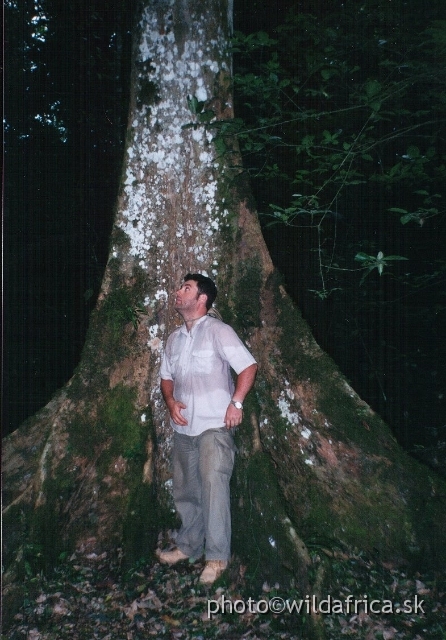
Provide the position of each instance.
(92, 596)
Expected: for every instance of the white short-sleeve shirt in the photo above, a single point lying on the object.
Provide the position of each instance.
(199, 363)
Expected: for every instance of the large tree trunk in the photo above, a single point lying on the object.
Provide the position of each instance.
(91, 470)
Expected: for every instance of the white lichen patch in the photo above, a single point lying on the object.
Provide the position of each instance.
(352, 393)
(155, 343)
(171, 168)
(291, 530)
(285, 410)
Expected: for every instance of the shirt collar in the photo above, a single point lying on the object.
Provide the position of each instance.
(183, 328)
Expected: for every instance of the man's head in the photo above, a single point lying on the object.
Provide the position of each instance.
(205, 286)
(195, 296)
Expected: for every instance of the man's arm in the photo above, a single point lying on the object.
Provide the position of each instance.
(173, 405)
(245, 381)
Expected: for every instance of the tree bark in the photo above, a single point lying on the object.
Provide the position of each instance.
(315, 466)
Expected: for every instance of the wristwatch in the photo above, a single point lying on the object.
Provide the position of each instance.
(237, 404)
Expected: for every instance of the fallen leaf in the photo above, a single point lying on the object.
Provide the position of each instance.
(171, 621)
(389, 633)
(421, 588)
(61, 608)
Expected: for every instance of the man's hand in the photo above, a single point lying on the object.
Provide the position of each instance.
(233, 417)
(175, 407)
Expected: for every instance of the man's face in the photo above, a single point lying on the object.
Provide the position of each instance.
(186, 298)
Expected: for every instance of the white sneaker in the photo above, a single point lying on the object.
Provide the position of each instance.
(171, 557)
(212, 570)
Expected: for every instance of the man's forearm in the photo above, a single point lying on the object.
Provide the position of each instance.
(167, 391)
(245, 381)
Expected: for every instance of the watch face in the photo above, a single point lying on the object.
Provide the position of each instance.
(238, 405)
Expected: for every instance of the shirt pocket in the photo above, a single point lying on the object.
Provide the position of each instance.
(203, 362)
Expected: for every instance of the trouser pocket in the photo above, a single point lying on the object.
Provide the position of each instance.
(225, 452)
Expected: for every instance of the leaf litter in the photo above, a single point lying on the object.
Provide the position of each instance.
(94, 597)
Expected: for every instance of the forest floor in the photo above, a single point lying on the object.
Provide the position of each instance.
(90, 596)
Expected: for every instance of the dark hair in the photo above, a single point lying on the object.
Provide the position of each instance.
(204, 285)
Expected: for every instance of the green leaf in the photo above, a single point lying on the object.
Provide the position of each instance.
(372, 88)
(413, 152)
(327, 73)
(195, 105)
(206, 116)
(361, 256)
(192, 103)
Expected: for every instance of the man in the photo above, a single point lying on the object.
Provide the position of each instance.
(204, 406)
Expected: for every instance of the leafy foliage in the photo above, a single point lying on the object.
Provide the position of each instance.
(379, 263)
(335, 106)
(341, 116)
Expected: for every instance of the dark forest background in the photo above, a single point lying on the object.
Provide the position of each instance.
(381, 319)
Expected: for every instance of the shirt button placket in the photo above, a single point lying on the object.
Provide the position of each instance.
(188, 350)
